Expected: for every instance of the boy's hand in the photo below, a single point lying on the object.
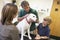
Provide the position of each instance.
(37, 36)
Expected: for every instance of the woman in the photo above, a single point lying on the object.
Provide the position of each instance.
(8, 30)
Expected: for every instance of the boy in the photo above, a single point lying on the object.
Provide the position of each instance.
(43, 29)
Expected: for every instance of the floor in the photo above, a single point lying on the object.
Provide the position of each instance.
(26, 38)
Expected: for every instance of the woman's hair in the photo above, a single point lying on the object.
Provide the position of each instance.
(8, 13)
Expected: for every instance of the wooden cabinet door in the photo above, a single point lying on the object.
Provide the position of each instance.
(55, 14)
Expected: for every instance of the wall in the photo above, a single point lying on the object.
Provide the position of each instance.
(2, 3)
(43, 7)
(55, 26)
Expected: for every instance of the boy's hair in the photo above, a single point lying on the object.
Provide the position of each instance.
(8, 13)
(24, 3)
(48, 18)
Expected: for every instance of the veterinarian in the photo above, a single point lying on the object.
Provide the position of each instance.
(43, 29)
(26, 10)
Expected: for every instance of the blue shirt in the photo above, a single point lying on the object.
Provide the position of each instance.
(43, 31)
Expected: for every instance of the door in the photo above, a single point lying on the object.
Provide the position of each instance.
(55, 14)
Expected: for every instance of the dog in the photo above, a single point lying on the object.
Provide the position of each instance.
(24, 25)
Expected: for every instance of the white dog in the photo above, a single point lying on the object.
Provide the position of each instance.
(24, 25)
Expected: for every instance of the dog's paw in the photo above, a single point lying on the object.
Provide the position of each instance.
(30, 37)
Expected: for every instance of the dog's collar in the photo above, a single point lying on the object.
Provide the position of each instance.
(27, 21)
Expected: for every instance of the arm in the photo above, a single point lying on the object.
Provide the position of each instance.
(21, 18)
(44, 37)
(41, 37)
(21, 15)
(37, 35)
(37, 29)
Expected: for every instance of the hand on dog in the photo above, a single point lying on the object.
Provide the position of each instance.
(21, 18)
